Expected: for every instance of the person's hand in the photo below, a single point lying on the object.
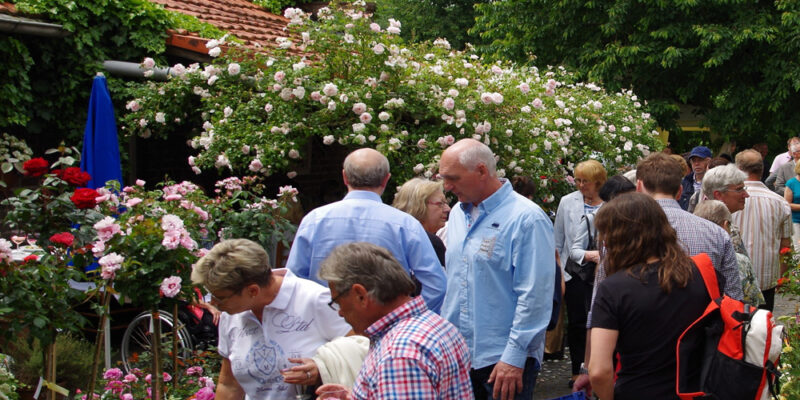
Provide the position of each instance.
(592, 256)
(305, 373)
(333, 391)
(215, 313)
(507, 381)
(583, 383)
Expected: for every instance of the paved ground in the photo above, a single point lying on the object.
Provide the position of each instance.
(552, 381)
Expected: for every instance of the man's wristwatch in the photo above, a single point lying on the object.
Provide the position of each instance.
(583, 370)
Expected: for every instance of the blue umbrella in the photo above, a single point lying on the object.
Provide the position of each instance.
(100, 156)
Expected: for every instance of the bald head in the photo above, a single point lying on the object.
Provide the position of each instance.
(366, 169)
(750, 162)
(468, 170)
(470, 153)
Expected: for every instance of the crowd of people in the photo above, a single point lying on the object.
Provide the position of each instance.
(423, 301)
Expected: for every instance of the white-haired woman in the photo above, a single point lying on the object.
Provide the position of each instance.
(425, 201)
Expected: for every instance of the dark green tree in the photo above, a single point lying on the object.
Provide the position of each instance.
(735, 61)
(431, 19)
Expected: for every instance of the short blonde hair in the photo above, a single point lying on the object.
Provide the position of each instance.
(797, 168)
(593, 171)
(679, 158)
(232, 265)
(412, 197)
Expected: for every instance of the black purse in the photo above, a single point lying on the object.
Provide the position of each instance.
(586, 271)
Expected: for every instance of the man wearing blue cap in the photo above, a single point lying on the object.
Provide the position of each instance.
(699, 157)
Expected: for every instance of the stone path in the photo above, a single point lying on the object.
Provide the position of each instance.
(552, 381)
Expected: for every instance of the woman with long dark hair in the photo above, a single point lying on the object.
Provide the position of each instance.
(652, 293)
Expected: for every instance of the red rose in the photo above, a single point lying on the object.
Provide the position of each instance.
(74, 176)
(32, 257)
(63, 238)
(786, 250)
(84, 198)
(36, 166)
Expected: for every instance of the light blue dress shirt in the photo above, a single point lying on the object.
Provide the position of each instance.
(362, 217)
(500, 273)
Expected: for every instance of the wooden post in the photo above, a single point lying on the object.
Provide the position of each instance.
(155, 348)
(175, 322)
(50, 367)
(98, 342)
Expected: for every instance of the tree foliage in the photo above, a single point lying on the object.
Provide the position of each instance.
(431, 19)
(735, 60)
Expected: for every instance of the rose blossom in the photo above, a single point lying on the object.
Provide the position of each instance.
(110, 263)
(255, 165)
(84, 198)
(328, 139)
(448, 103)
(74, 176)
(148, 63)
(106, 228)
(170, 287)
(215, 52)
(330, 90)
(279, 76)
(234, 69)
(35, 166)
(359, 108)
(112, 374)
(365, 118)
(205, 393)
(64, 238)
(294, 154)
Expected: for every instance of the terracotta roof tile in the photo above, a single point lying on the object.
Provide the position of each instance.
(255, 26)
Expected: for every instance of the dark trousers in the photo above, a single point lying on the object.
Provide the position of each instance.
(483, 390)
(578, 299)
(769, 297)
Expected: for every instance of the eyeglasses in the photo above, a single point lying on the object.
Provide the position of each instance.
(579, 181)
(223, 298)
(440, 204)
(333, 304)
(739, 190)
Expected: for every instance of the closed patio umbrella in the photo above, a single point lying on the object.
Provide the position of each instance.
(100, 155)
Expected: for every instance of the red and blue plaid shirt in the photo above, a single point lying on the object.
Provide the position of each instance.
(414, 354)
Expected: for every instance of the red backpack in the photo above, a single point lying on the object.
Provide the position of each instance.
(731, 351)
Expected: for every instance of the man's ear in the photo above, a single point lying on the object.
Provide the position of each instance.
(717, 195)
(680, 191)
(361, 293)
(251, 290)
(344, 179)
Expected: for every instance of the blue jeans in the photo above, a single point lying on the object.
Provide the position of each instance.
(483, 390)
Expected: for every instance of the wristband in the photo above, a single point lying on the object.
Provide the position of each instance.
(583, 370)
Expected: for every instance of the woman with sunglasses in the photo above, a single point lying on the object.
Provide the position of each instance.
(271, 321)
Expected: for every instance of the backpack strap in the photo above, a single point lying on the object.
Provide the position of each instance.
(709, 274)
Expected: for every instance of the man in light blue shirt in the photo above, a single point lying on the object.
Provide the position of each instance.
(500, 257)
(362, 217)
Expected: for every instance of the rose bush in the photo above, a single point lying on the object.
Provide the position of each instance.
(346, 79)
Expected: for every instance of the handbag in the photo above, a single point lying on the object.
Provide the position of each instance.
(586, 271)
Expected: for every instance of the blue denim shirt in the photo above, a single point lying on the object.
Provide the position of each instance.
(362, 217)
(500, 272)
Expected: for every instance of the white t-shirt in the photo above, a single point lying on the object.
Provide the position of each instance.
(294, 325)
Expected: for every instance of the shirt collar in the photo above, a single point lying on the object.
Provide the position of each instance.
(363, 195)
(755, 183)
(409, 309)
(668, 203)
(286, 291)
(494, 200)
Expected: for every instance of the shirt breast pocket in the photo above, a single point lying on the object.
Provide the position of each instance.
(491, 251)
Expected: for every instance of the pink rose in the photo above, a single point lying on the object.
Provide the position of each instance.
(170, 287)
(205, 393)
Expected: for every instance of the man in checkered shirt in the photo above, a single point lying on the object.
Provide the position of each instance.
(414, 353)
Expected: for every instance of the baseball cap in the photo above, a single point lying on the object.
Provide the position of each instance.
(700, 151)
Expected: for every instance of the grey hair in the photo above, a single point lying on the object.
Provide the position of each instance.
(369, 265)
(365, 174)
(232, 265)
(478, 153)
(718, 179)
(713, 210)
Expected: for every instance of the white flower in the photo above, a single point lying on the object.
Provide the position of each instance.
(279, 76)
(299, 92)
(419, 168)
(358, 127)
(462, 82)
(294, 154)
(524, 88)
(234, 69)
(215, 52)
(378, 49)
(227, 111)
(359, 108)
(393, 30)
(133, 105)
(452, 93)
(525, 109)
(384, 116)
(331, 105)
(365, 118)
(245, 149)
(375, 27)
(222, 161)
(497, 98)
(212, 43)
(268, 107)
(148, 63)
(212, 79)
(486, 98)
(328, 139)
(291, 174)
(160, 117)
(330, 90)
(448, 103)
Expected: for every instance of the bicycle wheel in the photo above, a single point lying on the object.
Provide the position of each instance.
(138, 339)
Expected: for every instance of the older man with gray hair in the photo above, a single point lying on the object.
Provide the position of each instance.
(362, 217)
(415, 354)
(500, 269)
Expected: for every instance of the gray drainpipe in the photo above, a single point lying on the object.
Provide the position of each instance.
(134, 70)
(28, 26)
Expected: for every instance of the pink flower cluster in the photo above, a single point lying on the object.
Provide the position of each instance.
(110, 264)
(175, 234)
(106, 228)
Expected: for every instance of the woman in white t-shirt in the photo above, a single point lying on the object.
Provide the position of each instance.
(271, 319)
